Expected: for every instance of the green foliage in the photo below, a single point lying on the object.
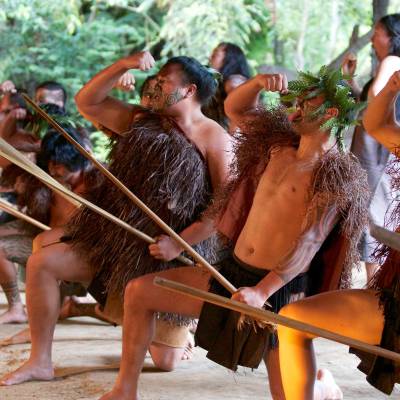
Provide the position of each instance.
(195, 27)
(70, 40)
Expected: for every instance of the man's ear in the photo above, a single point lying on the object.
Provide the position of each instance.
(331, 112)
(190, 90)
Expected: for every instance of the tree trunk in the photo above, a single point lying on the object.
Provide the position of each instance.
(379, 9)
(302, 35)
(356, 43)
(334, 27)
(279, 55)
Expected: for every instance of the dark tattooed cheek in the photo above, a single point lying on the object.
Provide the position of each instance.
(173, 98)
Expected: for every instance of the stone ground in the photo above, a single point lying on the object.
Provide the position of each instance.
(87, 352)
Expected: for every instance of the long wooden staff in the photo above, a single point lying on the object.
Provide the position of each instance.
(220, 278)
(8, 208)
(385, 236)
(269, 316)
(10, 153)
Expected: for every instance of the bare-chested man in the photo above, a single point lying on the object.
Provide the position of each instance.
(288, 220)
(370, 315)
(180, 97)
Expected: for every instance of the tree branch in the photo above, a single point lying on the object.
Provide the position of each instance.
(356, 43)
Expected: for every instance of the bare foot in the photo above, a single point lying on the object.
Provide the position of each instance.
(72, 308)
(188, 352)
(28, 372)
(331, 389)
(23, 336)
(66, 308)
(14, 315)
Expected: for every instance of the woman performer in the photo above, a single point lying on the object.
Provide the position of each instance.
(370, 315)
(371, 154)
(230, 61)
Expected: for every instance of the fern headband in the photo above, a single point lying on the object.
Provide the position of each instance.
(333, 86)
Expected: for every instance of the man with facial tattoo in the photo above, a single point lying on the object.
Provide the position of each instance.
(173, 159)
(292, 184)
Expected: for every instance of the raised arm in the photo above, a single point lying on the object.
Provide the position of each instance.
(241, 105)
(376, 122)
(93, 100)
(8, 129)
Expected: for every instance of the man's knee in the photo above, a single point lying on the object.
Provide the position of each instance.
(136, 289)
(165, 357)
(36, 262)
(294, 311)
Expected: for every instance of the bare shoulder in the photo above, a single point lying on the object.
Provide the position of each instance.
(213, 136)
(391, 62)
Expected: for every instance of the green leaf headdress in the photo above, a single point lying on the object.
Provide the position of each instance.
(332, 84)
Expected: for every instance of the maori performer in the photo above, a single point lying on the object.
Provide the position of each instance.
(171, 161)
(63, 162)
(293, 185)
(370, 315)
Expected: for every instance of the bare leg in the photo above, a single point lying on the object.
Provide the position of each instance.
(44, 269)
(9, 283)
(354, 313)
(271, 360)
(142, 300)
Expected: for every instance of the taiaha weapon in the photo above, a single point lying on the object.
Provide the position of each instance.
(268, 316)
(14, 156)
(8, 208)
(385, 236)
(197, 257)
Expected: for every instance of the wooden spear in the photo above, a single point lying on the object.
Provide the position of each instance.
(14, 156)
(268, 316)
(170, 232)
(8, 208)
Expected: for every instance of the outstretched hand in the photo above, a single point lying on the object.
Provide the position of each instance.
(165, 248)
(273, 82)
(142, 60)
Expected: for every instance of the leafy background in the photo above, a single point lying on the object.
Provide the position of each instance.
(70, 40)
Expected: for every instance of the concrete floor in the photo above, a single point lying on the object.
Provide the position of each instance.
(87, 352)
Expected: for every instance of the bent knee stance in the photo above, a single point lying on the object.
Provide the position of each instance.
(136, 290)
(36, 263)
(295, 312)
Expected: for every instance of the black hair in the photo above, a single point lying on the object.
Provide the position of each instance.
(145, 84)
(235, 62)
(56, 148)
(391, 23)
(194, 72)
(54, 87)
